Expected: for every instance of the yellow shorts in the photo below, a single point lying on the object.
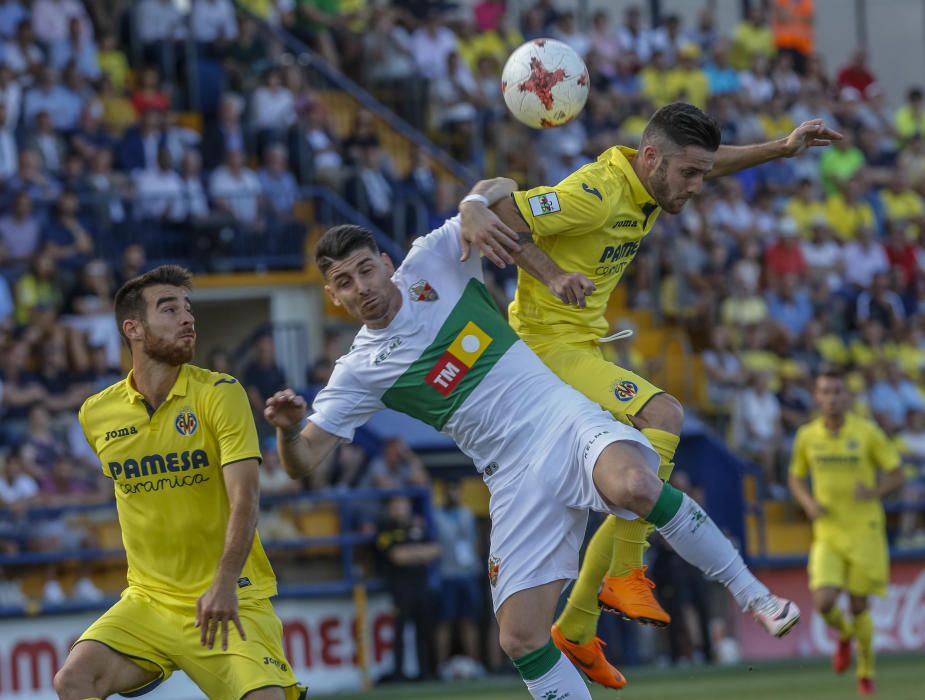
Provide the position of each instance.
(859, 565)
(583, 366)
(163, 637)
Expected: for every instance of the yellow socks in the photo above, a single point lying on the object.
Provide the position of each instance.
(630, 541)
(835, 619)
(578, 621)
(864, 633)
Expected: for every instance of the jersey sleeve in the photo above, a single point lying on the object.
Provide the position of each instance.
(344, 404)
(568, 209)
(799, 464)
(445, 243)
(883, 451)
(84, 427)
(233, 422)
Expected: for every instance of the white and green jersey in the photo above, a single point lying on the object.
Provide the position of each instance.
(449, 359)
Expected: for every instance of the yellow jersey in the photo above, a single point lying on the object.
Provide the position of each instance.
(166, 467)
(592, 222)
(836, 463)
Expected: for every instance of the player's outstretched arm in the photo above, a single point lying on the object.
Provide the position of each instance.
(300, 450)
(480, 227)
(731, 159)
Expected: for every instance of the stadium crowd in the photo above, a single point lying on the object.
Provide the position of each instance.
(774, 273)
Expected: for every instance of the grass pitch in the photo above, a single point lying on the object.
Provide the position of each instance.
(899, 677)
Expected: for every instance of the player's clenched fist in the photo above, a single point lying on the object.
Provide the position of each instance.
(285, 409)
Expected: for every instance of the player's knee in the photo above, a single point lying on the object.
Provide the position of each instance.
(519, 640)
(663, 412)
(637, 489)
(824, 604)
(72, 683)
(858, 605)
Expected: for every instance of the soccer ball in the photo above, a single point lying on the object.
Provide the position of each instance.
(544, 83)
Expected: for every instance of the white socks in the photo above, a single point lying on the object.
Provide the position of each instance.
(695, 537)
(561, 682)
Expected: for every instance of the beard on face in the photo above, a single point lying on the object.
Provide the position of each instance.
(661, 193)
(169, 352)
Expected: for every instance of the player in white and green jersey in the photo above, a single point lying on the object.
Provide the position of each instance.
(434, 346)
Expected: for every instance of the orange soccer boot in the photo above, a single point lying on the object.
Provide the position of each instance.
(589, 658)
(631, 597)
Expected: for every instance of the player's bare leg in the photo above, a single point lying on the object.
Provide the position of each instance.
(612, 575)
(825, 600)
(93, 670)
(624, 480)
(523, 621)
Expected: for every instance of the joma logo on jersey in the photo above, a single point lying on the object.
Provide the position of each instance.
(626, 223)
(121, 432)
(458, 359)
(614, 253)
(150, 465)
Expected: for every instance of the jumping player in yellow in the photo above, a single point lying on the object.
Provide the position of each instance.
(180, 446)
(575, 240)
(843, 455)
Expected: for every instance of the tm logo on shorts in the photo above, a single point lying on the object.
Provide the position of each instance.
(624, 390)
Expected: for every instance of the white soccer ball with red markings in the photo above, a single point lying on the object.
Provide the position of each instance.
(544, 83)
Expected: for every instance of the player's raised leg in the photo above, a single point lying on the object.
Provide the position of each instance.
(93, 670)
(622, 478)
(523, 621)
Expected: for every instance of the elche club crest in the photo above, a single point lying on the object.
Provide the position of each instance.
(422, 291)
(186, 422)
(494, 568)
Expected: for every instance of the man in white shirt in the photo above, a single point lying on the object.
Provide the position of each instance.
(213, 20)
(863, 258)
(236, 190)
(9, 153)
(159, 191)
(51, 17)
(430, 46)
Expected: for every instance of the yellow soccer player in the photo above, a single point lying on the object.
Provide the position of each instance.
(591, 224)
(842, 454)
(180, 446)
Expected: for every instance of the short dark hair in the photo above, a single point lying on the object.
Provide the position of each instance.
(683, 125)
(130, 301)
(340, 241)
(831, 373)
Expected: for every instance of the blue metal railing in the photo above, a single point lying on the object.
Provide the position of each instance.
(345, 541)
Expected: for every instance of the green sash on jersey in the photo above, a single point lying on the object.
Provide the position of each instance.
(469, 343)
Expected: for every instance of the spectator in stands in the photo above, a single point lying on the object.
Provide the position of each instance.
(272, 106)
(314, 148)
(909, 120)
(398, 466)
(723, 79)
(752, 37)
(51, 19)
(214, 24)
(108, 188)
(197, 203)
(823, 255)
(633, 37)
(856, 73)
(391, 71)
(784, 256)
(139, 146)
(847, 210)
(911, 441)
(407, 550)
(159, 25)
(117, 112)
(453, 106)
(49, 95)
(723, 370)
(863, 258)
(263, 378)
(758, 428)
(159, 192)
(17, 486)
(892, 396)
(227, 134)
(65, 389)
(12, 13)
(756, 85)
(20, 232)
(316, 24)
(566, 30)
(235, 191)
(66, 239)
(22, 55)
(881, 304)
(45, 139)
(77, 47)
(90, 136)
(796, 401)
(901, 203)
(789, 306)
(460, 577)
(280, 191)
(149, 94)
(7, 309)
(370, 189)
(731, 211)
(840, 164)
(112, 61)
(246, 57)
(21, 389)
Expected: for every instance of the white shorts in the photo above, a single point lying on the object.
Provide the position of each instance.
(539, 510)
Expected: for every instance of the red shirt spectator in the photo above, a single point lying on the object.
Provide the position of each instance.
(785, 256)
(901, 254)
(856, 74)
(150, 95)
(488, 15)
